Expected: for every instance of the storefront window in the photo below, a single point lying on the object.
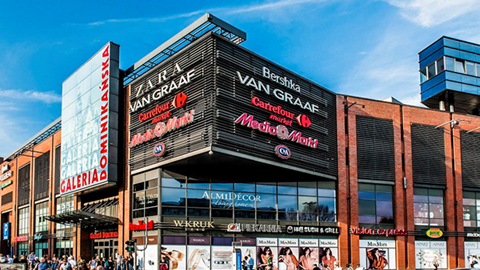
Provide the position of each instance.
(304, 201)
(63, 247)
(428, 207)
(471, 209)
(145, 198)
(376, 203)
(22, 249)
(41, 248)
(23, 218)
(41, 211)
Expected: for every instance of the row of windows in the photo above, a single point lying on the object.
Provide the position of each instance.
(451, 64)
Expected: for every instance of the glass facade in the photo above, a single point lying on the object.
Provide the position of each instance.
(303, 201)
(23, 218)
(22, 249)
(375, 204)
(450, 64)
(64, 204)
(471, 209)
(428, 207)
(41, 211)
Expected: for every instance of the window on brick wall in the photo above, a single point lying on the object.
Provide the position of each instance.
(375, 204)
(428, 207)
(23, 219)
(471, 209)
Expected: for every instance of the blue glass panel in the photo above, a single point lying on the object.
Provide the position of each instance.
(287, 203)
(173, 196)
(266, 201)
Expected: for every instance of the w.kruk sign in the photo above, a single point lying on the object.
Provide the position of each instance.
(90, 123)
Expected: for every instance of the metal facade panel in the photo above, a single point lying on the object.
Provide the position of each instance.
(234, 97)
(470, 143)
(57, 169)
(219, 98)
(42, 176)
(428, 155)
(24, 185)
(375, 149)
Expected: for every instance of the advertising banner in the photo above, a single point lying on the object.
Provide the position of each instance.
(172, 257)
(429, 253)
(472, 255)
(378, 254)
(90, 123)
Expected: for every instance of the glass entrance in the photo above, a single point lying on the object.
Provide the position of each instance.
(105, 248)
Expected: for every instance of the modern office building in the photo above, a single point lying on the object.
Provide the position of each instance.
(450, 75)
(207, 147)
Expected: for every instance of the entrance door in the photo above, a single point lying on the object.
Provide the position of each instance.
(105, 248)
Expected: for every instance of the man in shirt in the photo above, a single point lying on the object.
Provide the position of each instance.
(250, 262)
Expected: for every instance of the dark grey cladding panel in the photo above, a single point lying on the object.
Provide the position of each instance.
(234, 97)
(219, 98)
(375, 148)
(470, 143)
(428, 155)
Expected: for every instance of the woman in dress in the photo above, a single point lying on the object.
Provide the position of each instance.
(307, 260)
(328, 260)
(287, 257)
(266, 259)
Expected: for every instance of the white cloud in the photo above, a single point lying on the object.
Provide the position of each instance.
(45, 97)
(273, 5)
(428, 13)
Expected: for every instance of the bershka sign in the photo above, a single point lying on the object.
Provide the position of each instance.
(87, 134)
(284, 81)
(194, 225)
(240, 227)
(277, 93)
(6, 175)
(280, 131)
(163, 128)
(161, 86)
(381, 232)
(103, 235)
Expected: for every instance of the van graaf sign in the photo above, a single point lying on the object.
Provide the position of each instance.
(194, 225)
(228, 199)
(160, 86)
(277, 93)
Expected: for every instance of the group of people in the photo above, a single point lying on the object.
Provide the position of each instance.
(71, 263)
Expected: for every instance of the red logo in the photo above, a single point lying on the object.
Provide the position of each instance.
(303, 120)
(141, 226)
(179, 100)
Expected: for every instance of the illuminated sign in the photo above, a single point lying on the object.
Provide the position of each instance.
(6, 175)
(228, 199)
(141, 226)
(21, 238)
(5, 168)
(312, 229)
(102, 235)
(240, 227)
(162, 128)
(160, 86)
(473, 234)
(277, 93)
(162, 110)
(6, 184)
(434, 233)
(37, 236)
(90, 123)
(194, 225)
(283, 152)
(283, 81)
(280, 131)
(384, 232)
(159, 149)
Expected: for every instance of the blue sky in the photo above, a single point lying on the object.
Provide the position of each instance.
(366, 48)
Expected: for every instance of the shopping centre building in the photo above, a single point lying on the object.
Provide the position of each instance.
(204, 147)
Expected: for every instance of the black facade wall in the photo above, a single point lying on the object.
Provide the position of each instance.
(219, 98)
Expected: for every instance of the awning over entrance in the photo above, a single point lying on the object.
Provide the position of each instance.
(92, 215)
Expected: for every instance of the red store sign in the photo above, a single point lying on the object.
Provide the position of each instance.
(384, 232)
(21, 238)
(102, 235)
(141, 226)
